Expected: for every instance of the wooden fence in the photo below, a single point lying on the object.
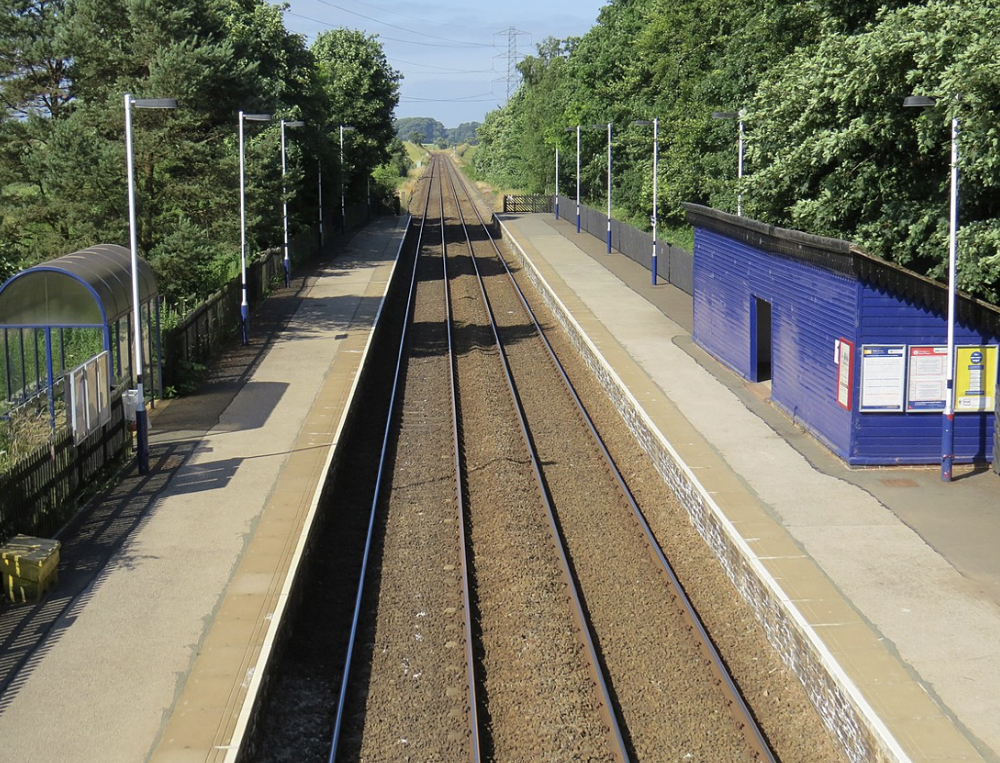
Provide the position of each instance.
(38, 495)
(40, 492)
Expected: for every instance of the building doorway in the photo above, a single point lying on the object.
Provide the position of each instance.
(760, 338)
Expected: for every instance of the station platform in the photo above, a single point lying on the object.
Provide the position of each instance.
(172, 582)
(880, 587)
(150, 644)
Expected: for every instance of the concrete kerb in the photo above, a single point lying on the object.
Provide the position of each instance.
(844, 710)
(271, 638)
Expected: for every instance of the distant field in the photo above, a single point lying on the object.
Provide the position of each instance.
(415, 152)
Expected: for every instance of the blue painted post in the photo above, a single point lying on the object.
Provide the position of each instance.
(159, 352)
(609, 187)
(948, 420)
(656, 175)
(578, 178)
(557, 182)
(24, 369)
(6, 359)
(48, 366)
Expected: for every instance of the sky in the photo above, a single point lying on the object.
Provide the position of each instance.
(453, 55)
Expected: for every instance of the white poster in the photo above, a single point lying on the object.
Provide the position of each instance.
(883, 373)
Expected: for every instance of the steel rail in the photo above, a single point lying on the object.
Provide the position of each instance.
(375, 500)
(740, 709)
(619, 749)
(467, 598)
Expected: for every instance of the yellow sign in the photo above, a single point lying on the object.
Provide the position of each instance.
(975, 378)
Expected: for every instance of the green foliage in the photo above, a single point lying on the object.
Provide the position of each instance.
(464, 133)
(421, 130)
(362, 91)
(830, 149)
(64, 67)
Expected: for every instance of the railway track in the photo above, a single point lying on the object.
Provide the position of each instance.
(511, 602)
(559, 672)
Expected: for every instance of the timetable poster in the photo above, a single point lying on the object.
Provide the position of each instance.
(927, 378)
(975, 378)
(883, 376)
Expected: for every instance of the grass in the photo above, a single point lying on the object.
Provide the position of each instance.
(415, 152)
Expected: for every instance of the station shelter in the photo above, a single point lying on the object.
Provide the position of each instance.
(854, 347)
(67, 310)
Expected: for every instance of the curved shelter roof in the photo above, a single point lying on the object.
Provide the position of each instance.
(91, 287)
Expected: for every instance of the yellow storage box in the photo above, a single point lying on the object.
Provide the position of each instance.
(30, 567)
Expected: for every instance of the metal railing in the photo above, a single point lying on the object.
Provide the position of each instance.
(39, 492)
(674, 264)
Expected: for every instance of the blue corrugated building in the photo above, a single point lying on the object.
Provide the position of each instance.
(813, 316)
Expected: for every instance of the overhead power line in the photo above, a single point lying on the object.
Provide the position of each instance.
(463, 43)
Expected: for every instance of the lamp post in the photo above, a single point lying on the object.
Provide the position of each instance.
(343, 214)
(948, 419)
(570, 129)
(601, 126)
(656, 176)
(319, 177)
(557, 182)
(244, 304)
(738, 115)
(284, 198)
(141, 421)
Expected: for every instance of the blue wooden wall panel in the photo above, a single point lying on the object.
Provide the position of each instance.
(811, 309)
(879, 438)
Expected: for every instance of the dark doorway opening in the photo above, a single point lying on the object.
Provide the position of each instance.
(760, 331)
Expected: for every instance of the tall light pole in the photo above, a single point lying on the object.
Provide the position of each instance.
(319, 178)
(141, 421)
(656, 177)
(557, 182)
(244, 304)
(948, 419)
(284, 198)
(343, 213)
(570, 129)
(609, 181)
(738, 115)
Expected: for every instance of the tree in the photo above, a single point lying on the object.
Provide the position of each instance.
(836, 154)
(362, 91)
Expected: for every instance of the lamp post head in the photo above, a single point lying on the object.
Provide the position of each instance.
(919, 101)
(725, 114)
(571, 129)
(154, 103)
(296, 123)
(257, 117)
(643, 122)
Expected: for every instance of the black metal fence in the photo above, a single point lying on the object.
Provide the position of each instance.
(518, 204)
(37, 495)
(673, 264)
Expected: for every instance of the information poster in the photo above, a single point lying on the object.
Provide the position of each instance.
(845, 372)
(926, 378)
(975, 378)
(883, 373)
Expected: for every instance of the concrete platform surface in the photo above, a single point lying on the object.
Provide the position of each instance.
(894, 574)
(154, 656)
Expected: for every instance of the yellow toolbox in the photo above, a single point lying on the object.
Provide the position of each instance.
(30, 567)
